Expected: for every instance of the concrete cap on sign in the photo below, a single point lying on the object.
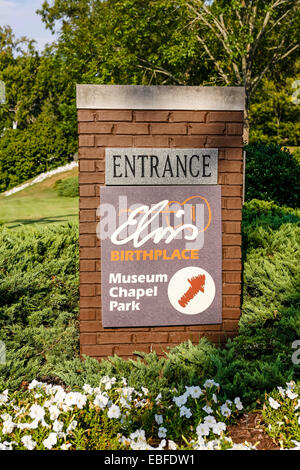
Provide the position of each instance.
(160, 97)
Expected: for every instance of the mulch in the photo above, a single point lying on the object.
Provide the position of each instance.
(250, 428)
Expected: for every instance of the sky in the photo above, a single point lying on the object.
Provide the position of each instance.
(21, 16)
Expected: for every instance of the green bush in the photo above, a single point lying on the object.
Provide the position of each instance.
(68, 187)
(272, 174)
(38, 301)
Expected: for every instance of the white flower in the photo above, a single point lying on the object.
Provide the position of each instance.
(184, 411)
(87, 389)
(101, 400)
(4, 397)
(8, 426)
(298, 419)
(124, 403)
(72, 426)
(114, 412)
(210, 383)
(108, 382)
(172, 445)
(36, 412)
(58, 426)
(238, 403)
(218, 428)
(145, 390)
(210, 421)
(194, 392)
(225, 411)
(159, 419)
(181, 400)
(158, 398)
(298, 405)
(207, 409)
(65, 446)
(273, 403)
(138, 434)
(50, 441)
(202, 429)
(34, 384)
(281, 391)
(291, 394)
(126, 392)
(214, 397)
(28, 442)
(54, 412)
(162, 432)
(75, 398)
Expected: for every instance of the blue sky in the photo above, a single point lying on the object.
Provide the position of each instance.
(21, 16)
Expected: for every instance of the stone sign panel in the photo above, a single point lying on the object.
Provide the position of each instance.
(161, 255)
(151, 166)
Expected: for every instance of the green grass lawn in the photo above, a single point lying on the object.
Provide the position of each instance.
(39, 204)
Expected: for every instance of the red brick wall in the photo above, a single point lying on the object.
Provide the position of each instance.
(182, 129)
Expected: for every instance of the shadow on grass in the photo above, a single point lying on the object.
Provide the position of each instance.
(42, 220)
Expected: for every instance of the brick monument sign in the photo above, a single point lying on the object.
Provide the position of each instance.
(161, 189)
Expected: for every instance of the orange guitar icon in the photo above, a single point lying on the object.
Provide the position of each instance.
(197, 285)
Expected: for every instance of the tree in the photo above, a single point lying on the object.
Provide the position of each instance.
(273, 115)
(126, 41)
(244, 39)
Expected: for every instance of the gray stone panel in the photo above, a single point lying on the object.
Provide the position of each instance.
(160, 166)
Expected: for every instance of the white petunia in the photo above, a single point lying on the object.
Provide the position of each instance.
(273, 403)
(218, 428)
(281, 391)
(114, 412)
(162, 432)
(159, 419)
(28, 442)
(54, 412)
(8, 426)
(298, 405)
(210, 383)
(172, 445)
(36, 412)
(181, 400)
(225, 411)
(238, 403)
(72, 426)
(202, 429)
(34, 384)
(210, 421)
(65, 446)
(138, 434)
(108, 382)
(87, 389)
(184, 411)
(101, 400)
(194, 392)
(75, 398)
(3, 397)
(58, 426)
(207, 409)
(291, 394)
(50, 441)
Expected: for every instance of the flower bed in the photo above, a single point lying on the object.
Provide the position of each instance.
(116, 416)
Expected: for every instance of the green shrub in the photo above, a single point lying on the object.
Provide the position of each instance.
(68, 187)
(272, 174)
(38, 301)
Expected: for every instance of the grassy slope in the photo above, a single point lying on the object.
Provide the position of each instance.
(39, 204)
